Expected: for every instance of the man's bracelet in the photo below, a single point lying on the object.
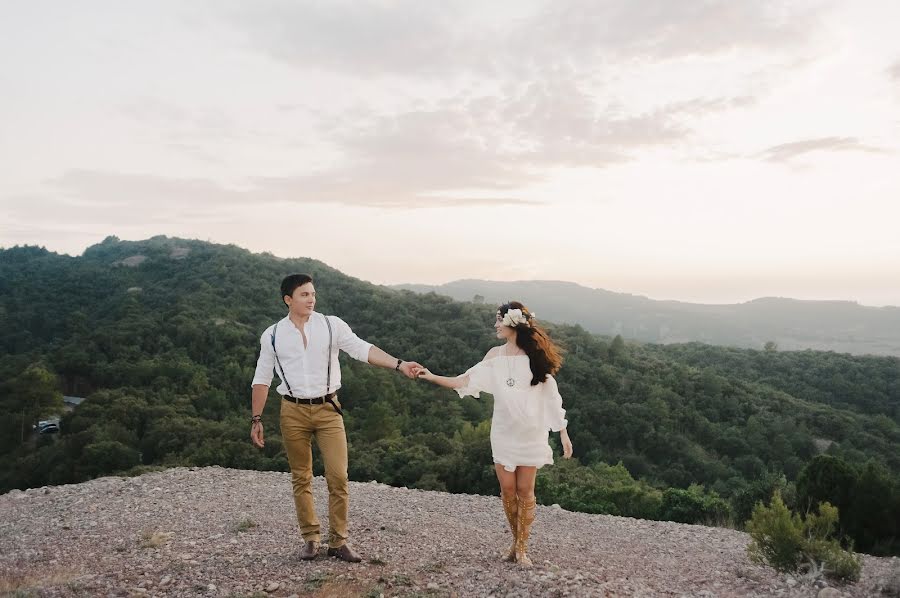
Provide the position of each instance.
(256, 419)
(399, 363)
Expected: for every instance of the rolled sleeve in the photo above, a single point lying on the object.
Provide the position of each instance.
(348, 342)
(265, 365)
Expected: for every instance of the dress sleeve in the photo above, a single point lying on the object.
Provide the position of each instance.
(479, 378)
(554, 414)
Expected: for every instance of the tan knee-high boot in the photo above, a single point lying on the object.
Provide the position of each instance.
(511, 507)
(524, 519)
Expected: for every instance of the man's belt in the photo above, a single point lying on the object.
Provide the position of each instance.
(315, 401)
(329, 398)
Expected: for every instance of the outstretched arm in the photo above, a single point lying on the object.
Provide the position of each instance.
(358, 349)
(461, 381)
(382, 359)
(457, 382)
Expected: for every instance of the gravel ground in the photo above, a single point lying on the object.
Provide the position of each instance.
(224, 532)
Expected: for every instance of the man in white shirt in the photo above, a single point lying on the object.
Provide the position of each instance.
(296, 347)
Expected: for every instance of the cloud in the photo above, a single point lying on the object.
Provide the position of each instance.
(537, 101)
(504, 141)
(536, 69)
(370, 37)
(486, 143)
(467, 150)
(788, 151)
(192, 131)
(532, 106)
(894, 71)
(562, 124)
(434, 40)
(186, 122)
(703, 106)
(114, 190)
(123, 194)
(662, 29)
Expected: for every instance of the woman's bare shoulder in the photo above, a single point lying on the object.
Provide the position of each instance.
(492, 353)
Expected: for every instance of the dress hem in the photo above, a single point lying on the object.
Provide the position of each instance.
(512, 468)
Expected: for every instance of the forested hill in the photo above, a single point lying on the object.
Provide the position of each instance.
(792, 324)
(869, 385)
(162, 337)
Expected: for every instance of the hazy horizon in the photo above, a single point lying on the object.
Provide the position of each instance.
(700, 151)
(388, 282)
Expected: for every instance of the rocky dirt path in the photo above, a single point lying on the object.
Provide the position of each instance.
(222, 532)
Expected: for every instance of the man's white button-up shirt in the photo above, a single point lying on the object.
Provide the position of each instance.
(306, 368)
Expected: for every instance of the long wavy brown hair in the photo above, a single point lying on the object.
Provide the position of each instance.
(544, 356)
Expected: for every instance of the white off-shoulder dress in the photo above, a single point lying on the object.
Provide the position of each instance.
(523, 414)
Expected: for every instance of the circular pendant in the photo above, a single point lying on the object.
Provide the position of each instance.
(510, 382)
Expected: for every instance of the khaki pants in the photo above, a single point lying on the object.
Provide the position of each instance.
(299, 423)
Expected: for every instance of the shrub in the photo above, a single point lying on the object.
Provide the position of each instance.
(777, 536)
(693, 505)
(788, 542)
(598, 488)
(841, 564)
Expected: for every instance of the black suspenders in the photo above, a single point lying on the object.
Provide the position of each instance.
(328, 375)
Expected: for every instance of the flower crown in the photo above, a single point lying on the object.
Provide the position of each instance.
(514, 317)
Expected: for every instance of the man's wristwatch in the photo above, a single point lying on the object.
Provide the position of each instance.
(399, 363)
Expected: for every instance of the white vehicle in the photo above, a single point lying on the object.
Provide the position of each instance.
(47, 426)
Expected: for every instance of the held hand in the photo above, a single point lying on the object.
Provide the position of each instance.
(425, 374)
(566, 445)
(256, 434)
(410, 369)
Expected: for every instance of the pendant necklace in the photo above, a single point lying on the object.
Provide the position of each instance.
(509, 381)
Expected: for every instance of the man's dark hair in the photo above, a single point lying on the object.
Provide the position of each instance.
(290, 283)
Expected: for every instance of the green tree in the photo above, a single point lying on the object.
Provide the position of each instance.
(108, 456)
(31, 395)
(873, 517)
(827, 479)
(617, 349)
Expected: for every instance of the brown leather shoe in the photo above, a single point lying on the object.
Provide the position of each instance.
(345, 553)
(309, 551)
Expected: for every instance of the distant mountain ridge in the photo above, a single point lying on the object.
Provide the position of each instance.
(842, 326)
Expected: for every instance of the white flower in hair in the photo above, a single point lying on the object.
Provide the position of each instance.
(514, 317)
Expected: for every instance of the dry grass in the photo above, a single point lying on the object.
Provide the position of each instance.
(316, 581)
(21, 585)
(244, 525)
(154, 539)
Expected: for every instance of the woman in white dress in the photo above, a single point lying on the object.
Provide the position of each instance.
(527, 405)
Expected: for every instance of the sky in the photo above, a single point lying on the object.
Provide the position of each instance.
(701, 150)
